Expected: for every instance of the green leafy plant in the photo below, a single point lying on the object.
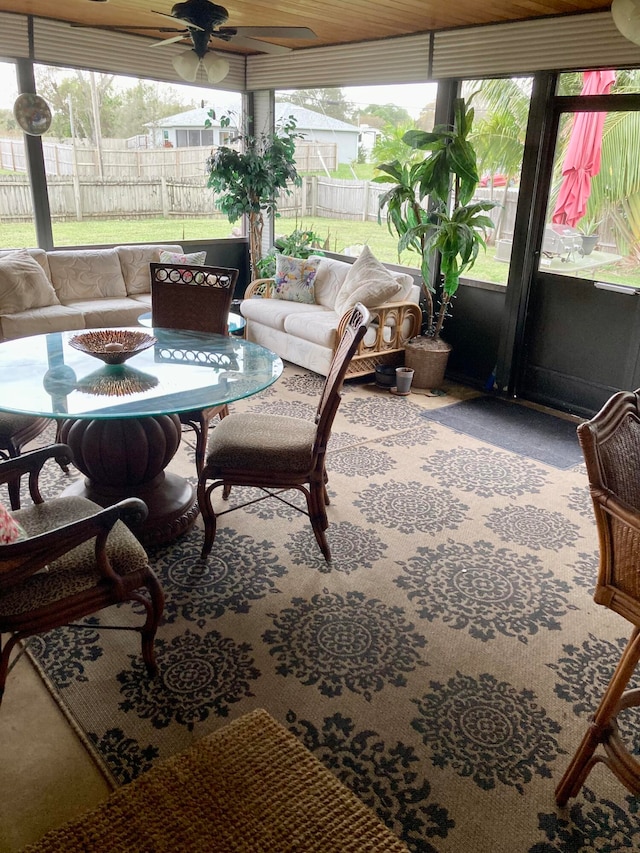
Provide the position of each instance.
(430, 210)
(588, 226)
(248, 181)
(299, 244)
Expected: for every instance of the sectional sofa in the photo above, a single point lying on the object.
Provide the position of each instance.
(65, 290)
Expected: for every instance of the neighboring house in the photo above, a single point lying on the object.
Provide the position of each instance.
(368, 137)
(187, 130)
(317, 127)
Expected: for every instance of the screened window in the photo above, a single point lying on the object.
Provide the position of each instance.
(114, 172)
(347, 132)
(16, 226)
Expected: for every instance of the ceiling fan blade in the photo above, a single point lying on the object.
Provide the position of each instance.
(261, 46)
(124, 27)
(275, 32)
(169, 41)
(182, 21)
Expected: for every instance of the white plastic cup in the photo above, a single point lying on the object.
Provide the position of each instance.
(404, 378)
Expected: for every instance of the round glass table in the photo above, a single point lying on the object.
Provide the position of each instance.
(121, 421)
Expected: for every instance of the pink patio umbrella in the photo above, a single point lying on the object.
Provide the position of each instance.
(582, 160)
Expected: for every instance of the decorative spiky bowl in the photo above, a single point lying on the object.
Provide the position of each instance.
(113, 346)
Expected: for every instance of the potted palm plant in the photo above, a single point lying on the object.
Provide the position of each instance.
(431, 211)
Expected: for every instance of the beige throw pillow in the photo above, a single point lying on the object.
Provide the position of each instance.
(368, 282)
(23, 284)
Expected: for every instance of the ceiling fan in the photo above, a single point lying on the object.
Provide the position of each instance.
(202, 20)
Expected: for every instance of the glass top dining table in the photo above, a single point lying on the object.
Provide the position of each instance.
(122, 421)
(44, 375)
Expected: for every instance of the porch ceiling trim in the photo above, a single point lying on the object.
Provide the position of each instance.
(56, 43)
(394, 60)
(564, 43)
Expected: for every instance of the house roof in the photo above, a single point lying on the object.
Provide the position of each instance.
(306, 120)
(188, 118)
(310, 119)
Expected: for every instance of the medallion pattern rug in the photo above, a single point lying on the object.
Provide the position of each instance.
(444, 666)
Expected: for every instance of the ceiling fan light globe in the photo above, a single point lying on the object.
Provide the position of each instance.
(216, 67)
(186, 65)
(626, 17)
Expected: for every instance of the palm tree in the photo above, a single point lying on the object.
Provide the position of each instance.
(615, 190)
(500, 131)
(390, 146)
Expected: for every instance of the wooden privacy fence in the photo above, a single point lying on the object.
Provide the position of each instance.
(79, 198)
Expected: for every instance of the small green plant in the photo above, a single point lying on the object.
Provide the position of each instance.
(588, 226)
(299, 244)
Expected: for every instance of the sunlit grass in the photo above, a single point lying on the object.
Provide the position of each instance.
(338, 233)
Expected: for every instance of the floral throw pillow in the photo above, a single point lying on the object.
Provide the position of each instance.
(195, 259)
(10, 530)
(295, 278)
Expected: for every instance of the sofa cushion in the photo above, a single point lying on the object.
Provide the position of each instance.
(273, 312)
(407, 284)
(295, 278)
(102, 313)
(38, 254)
(329, 279)
(86, 274)
(23, 284)
(40, 321)
(134, 262)
(319, 327)
(368, 282)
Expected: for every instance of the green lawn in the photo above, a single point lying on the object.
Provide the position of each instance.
(339, 233)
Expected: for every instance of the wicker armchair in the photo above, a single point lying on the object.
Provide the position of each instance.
(610, 443)
(77, 558)
(280, 452)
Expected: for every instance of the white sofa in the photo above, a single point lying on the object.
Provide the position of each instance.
(307, 334)
(83, 289)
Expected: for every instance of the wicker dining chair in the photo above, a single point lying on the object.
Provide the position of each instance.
(278, 452)
(610, 443)
(197, 299)
(73, 559)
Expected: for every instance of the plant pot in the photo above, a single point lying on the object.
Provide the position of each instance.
(589, 242)
(428, 358)
(385, 375)
(404, 377)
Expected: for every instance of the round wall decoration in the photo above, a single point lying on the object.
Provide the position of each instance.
(32, 114)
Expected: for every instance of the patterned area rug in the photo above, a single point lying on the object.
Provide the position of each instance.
(444, 666)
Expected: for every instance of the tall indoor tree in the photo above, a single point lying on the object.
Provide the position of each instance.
(248, 180)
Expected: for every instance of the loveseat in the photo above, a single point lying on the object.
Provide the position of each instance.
(71, 289)
(307, 332)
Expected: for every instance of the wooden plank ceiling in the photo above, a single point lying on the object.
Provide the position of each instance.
(333, 21)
